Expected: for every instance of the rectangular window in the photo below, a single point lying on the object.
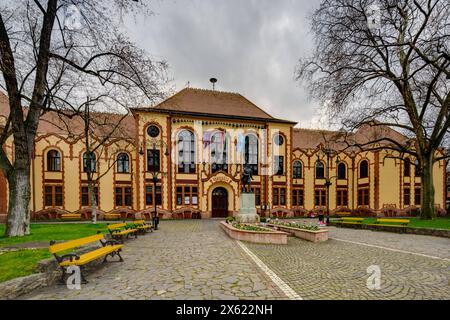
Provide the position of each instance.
(53, 196)
(152, 196)
(418, 196)
(297, 197)
(85, 198)
(320, 197)
(187, 195)
(153, 160)
(278, 165)
(279, 196)
(406, 196)
(342, 198)
(257, 192)
(363, 197)
(124, 196)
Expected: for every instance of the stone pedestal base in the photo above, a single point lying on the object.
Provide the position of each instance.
(247, 212)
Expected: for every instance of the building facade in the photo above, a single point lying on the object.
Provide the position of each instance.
(196, 144)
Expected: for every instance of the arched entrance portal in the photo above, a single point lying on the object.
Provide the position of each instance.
(220, 203)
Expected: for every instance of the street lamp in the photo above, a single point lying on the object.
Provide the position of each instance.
(328, 153)
(160, 144)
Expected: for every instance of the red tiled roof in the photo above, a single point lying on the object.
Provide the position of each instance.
(53, 122)
(209, 102)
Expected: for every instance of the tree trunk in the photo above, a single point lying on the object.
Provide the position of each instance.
(19, 201)
(93, 201)
(428, 210)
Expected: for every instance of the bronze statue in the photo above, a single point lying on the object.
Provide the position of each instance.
(247, 179)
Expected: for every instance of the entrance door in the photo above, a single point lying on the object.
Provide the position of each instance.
(220, 203)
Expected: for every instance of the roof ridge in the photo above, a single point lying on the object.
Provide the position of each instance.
(317, 130)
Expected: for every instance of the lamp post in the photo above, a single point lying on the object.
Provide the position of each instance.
(329, 154)
(160, 144)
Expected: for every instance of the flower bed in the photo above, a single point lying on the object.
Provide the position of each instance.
(253, 233)
(306, 232)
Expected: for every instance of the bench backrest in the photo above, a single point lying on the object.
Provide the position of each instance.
(139, 221)
(353, 219)
(405, 221)
(74, 243)
(116, 226)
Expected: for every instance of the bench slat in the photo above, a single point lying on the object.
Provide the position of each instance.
(92, 255)
(74, 243)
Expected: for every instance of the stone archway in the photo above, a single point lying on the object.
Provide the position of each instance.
(219, 203)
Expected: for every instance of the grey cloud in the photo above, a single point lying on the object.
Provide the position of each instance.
(251, 46)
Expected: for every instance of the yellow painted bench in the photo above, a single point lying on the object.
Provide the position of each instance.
(112, 216)
(119, 231)
(142, 226)
(108, 248)
(351, 220)
(391, 222)
(71, 216)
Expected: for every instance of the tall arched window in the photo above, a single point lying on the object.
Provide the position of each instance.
(341, 171)
(320, 170)
(53, 160)
(123, 163)
(297, 170)
(417, 170)
(251, 153)
(407, 168)
(186, 152)
(89, 166)
(364, 169)
(219, 154)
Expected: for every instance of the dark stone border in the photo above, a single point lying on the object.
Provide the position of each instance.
(443, 233)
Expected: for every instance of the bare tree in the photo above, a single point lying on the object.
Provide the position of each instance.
(385, 63)
(46, 46)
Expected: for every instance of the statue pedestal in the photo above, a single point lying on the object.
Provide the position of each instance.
(247, 212)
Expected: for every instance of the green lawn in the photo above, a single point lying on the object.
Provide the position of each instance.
(438, 223)
(20, 263)
(23, 262)
(48, 232)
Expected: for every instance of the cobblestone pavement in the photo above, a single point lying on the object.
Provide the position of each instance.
(192, 259)
(338, 270)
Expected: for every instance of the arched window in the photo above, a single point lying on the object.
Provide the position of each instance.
(320, 170)
(53, 160)
(364, 169)
(89, 166)
(417, 170)
(186, 152)
(298, 168)
(251, 153)
(123, 163)
(407, 168)
(341, 171)
(219, 154)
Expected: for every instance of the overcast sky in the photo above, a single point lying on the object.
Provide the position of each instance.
(250, 46)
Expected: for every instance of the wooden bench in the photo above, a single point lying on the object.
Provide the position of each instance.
(71, 216)
(109, 248)
(120, 231)
(350, 220)
(142, 226)
(112, 216)
(391, 222)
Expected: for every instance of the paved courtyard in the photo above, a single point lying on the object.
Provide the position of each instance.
(195, 259)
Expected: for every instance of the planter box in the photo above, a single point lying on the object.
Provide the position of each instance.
(309, 235)
(268, 237)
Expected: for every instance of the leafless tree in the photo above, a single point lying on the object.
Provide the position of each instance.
(45, 47)
(385, 63)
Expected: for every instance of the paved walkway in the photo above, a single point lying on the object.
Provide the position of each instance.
(194, 259)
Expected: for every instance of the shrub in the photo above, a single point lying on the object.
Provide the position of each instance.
(230, 219)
